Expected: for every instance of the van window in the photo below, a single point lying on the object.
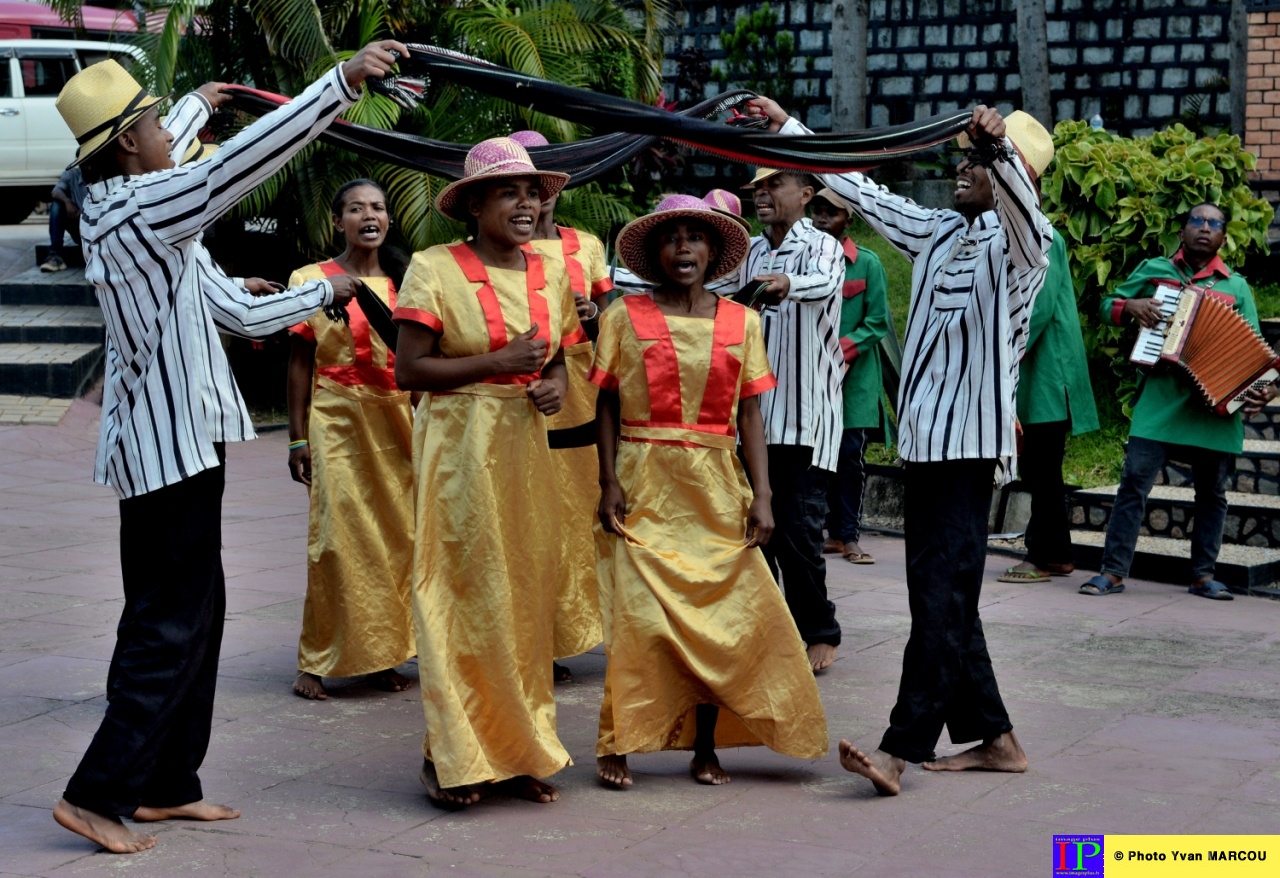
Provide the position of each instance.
(90, 57)
(6, 79)
(45, 77)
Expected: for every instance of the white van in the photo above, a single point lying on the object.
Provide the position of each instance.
(35, 144)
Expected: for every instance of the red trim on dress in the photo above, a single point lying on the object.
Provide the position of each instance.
(416, 315)
(539, 311)
(602, 287)
(717, 429)
(662, 370)
(849, 348)
(362, 370)
(305, 331)
(718, 395)
(757, 387)
(603, 379)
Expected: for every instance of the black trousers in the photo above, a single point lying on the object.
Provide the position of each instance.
(947, 677)
(1040, 468)
(161, 682)
(795, 550)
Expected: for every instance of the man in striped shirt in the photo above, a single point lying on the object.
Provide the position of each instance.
(169, 405)
(977, 271)
(804, 269)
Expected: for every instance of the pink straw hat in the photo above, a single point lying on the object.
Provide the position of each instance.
(636, 254)
(492, 159)
(724, 201)
(529, 138)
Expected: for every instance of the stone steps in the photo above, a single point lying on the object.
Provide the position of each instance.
(35, 287)
(1252, 519)
(1265, 424)
(36, 324)
(57, 370)
(1257, 470)
(1244, 569)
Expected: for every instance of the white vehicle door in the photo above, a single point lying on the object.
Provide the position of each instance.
(42, 74)
(13, 122)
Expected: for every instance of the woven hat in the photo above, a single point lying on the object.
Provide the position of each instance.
(490, 160)
(761, 175)
(197, 151)
(98, 103)
(633, 240)
(833, 199)
(724, 201)
(529, 138)
(1033, 140)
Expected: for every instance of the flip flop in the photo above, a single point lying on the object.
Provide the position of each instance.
(1213, 590)
(1100, 585)
(1012, 574)
(854, 555)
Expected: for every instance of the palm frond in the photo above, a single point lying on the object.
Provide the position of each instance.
(294, 29)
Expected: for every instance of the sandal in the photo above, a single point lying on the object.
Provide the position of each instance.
(833, 547)
(854, 555)
(1013, 574)
(1211, 589)
(1100, 585)
(1058, 569)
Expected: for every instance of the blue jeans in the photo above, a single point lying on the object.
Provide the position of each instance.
(844, 494)
(1142, 463)
(59, 226)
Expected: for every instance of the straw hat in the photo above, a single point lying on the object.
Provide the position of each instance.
(98, 103)
(724, 201)
(490, 160)
(528, 138)
(833, 199)
(1033, 140)
(762, 174)
(633, 239)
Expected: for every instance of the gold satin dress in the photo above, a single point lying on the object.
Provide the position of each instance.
(487, 556)
(357, 617)
(692, 616)
(572, 432)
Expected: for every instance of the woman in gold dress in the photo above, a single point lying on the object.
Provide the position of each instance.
(482, 325)
(350, 430)
(702, 650)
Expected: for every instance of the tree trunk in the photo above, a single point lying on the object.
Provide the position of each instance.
(1033, 60)
(1238, 71)
(848, 82)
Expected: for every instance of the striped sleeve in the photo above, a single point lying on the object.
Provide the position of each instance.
(236, 310)
(179, 204)
(821, 270)
(184, 122)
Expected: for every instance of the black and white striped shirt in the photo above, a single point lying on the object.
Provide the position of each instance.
(169, 393)
(973, 286)
(802, 339)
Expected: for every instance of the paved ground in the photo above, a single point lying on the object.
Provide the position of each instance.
(1149, 712)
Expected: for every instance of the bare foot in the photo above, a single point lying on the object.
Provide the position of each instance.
(821, 655)
(525, 787)
(449, 798)
(309, 686)
(200, 810)
(109, 832)
(560, 673)
(613, 771)
(1000, 754)
(389, 681)
(882, 769)
(706, 769)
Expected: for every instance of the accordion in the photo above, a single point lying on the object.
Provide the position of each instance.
(1222, 354)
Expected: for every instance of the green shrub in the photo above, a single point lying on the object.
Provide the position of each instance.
(1118, 201)
(758, 56)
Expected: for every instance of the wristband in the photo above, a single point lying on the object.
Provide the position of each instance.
(595, 315)
(298, 443)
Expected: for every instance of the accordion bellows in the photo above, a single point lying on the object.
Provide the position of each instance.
(1223, 355)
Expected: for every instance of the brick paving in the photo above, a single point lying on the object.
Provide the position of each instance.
(41, 410)
(1149, 712)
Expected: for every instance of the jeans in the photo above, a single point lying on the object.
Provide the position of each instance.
(795, 550)
(947, 678)
(160, 684)
(1040, 467)
(59, 224)
(1143, 461)
(844, 496)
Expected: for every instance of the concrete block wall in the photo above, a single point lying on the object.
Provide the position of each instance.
(1137, 62)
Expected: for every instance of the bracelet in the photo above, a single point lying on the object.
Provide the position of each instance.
(595, 315)
(297, 443)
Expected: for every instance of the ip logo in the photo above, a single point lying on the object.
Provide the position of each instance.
(1079, 856)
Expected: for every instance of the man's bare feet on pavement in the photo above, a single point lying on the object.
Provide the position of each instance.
(389, 681)
(308, 686)
(100, 829)
(530, 788)
(999, 754)
(449, 798)
(200, 810)
(821, 655)
(613, 771)
(706, 769)
(882, 769)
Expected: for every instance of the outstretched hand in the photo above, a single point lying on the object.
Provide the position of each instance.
(374, 61)
(213, 93)
(763, 107)
(986, 125)
(344, 288)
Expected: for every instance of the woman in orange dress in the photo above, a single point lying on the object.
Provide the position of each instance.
(350, 431)
(702, 650)
(482, 326)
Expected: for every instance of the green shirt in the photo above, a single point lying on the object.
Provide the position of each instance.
(1168, 409)
(1053, 378)
(864, 320)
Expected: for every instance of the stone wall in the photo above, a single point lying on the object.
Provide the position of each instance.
(1138, 63)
